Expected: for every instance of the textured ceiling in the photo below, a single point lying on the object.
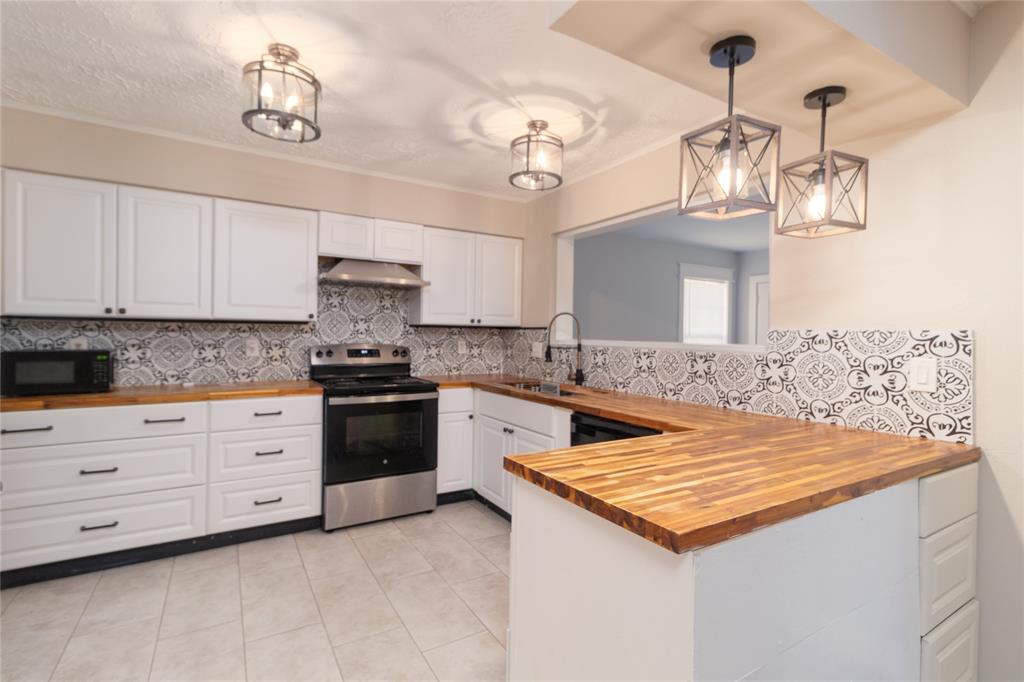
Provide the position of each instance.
(423, 90)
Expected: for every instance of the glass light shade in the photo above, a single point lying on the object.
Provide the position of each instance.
(730, 169)
(283, 97)
(536, 159)
(823, 195)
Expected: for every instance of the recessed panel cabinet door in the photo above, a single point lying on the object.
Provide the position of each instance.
(524, 442)
(165, 254)
(492, 443)
(345, 236)
(397, 242)
(59, 246)
(499, 274)
(264, 262)
(449, 265)
(454, 452)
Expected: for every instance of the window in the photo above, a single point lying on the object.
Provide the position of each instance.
(705, 304)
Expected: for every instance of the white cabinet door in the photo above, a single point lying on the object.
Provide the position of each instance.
(449, 265)
(397, 242)
(59, 246)
(492, 443)
(499, 275)
(264, 262)
(164, 254)
(523, 442)
(454, 452)
(345, 236)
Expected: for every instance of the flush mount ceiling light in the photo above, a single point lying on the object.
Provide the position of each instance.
(536, 158)
(730, 168)
(284, 96)
(827, 193)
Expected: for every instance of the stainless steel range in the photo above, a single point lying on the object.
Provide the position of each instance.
(380, 434)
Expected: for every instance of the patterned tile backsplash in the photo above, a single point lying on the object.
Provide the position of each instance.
(856, 378)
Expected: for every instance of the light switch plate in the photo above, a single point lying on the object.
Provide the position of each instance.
(462, 347)
(922, 374)
(252, 347)
(537, 350)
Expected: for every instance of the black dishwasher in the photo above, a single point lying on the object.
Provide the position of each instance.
(588, 429)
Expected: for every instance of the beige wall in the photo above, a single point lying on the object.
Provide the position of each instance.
(50, 144)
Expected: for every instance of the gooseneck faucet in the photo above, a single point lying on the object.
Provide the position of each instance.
(576, 376)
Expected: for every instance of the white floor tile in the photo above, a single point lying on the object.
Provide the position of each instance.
(201, 599)
(271, 554)
(210, 558)
(215, 653)
(302, 655)
(390, 555)
(496, 549)
(487, 597)
(129, 594)
(119, 652)
(432, 612)
(472, 521)
(477, 658)
(451, 555)
(388, 656)
(353, 606)
(277, 601)
(328, 553)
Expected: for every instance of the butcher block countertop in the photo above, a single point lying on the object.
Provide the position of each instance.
(150, 395)
(715, 473)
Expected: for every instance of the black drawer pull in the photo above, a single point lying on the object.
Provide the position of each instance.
(33, 430)
(86, 472)
(268, 414)
(269, 452)
(273, 501)
(105, 525)
(163, 421)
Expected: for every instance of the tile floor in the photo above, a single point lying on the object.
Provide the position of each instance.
(419, 598)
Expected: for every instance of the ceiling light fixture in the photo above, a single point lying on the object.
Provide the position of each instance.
(729, 169)
(284, 96)
(827, 193)
(536, 158)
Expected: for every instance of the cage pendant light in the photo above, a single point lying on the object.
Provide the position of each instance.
(536, 162)
(827, 193)
(283, 96)
(729, 169)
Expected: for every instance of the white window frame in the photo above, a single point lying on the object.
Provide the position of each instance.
(752, 283)
(713, 274)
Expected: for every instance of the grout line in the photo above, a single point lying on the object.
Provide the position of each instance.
(316, 602)
(160, 623)
(64, 649)
(241, 612)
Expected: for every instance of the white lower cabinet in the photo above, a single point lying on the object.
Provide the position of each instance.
(260, 501)
(454, 452)
(236, 455)
(949, 653)
(496, 440)
(54, 532)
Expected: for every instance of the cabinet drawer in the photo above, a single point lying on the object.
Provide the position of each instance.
(54, 532)
(536, 417)
(948, 561)
(950, 652)
(946, 498)
(259, 501)
(82, 471)
(236, 455)
(258, 413)
(455, 400)
(85, 424)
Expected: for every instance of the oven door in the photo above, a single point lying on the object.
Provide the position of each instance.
(379, 435)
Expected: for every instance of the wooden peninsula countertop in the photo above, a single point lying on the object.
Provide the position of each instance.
(170, 393)
(716, 473)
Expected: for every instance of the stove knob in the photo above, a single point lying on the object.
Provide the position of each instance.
(319, 353)
(395, 353)
(405, 353)
(330, 353)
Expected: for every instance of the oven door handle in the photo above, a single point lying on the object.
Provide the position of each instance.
(390, 398)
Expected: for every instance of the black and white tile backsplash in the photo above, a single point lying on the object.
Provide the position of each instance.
(856, 378)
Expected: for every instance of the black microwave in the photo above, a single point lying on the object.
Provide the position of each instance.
(47, 372)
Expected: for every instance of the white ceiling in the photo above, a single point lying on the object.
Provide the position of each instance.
(750, 233)
(431, 91)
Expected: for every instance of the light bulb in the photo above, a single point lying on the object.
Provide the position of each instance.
(267, 95)
(725, 170)
(291, 103)
(542, 160)
(816, 204)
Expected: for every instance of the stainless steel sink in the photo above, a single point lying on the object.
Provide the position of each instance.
(542, 387)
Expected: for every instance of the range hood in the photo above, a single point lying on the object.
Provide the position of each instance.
(373, 274)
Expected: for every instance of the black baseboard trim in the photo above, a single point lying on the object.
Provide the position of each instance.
(493, 507)
(99, 562)
(457, 496)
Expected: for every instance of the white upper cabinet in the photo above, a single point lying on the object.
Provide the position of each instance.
(264, 262)
(346, 236)
(59, 246)
(449, 265)
(164, 254)
(474, 279)
(397, 242)
(499, 272)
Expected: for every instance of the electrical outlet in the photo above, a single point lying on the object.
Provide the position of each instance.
(923, 374)
(537, 350)
(78, 343)
(252, 347)
(463, 349)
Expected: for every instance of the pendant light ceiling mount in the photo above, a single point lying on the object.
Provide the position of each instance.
(729, 169)
(824, 194)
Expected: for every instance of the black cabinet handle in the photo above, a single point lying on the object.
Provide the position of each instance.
(86, 472)
(108, 310)
(122, 311)
(270, 452)
(311, 316)
(273, 501)
(32, 430)
(470, 416)
(163, 421)
(105, 525)
(268, 414)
